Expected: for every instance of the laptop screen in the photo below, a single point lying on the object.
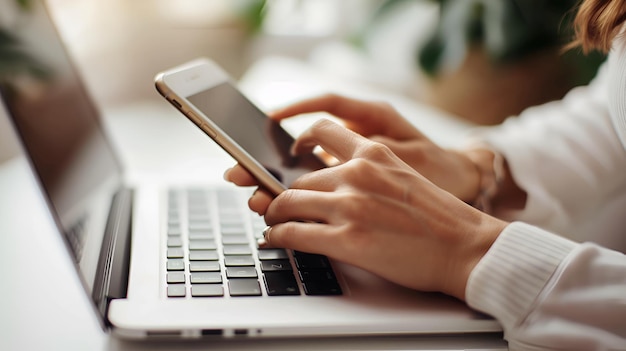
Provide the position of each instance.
(59, 129)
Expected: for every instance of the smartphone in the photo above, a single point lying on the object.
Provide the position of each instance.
(209, 98)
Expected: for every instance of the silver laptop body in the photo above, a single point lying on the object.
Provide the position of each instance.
(169, 259)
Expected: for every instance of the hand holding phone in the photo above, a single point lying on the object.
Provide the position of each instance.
(209, 98)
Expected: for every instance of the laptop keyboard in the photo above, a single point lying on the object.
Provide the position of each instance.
(211, 251)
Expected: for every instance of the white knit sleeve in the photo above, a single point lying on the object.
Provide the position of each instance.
(550, 293)
(568, 157)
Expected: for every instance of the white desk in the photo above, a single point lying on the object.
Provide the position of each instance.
(43, 306)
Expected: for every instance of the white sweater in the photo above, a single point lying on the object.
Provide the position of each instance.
(566, 291)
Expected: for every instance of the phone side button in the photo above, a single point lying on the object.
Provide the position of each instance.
(195, 119)
(208, 130)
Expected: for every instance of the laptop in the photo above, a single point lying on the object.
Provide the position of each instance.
(175, 260)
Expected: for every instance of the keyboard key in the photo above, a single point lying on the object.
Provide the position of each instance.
(241, 272)
(204, 266)
(240, 260)
(174, 231)
(238, 229)
(324, 275)
(175, 265)
(321, 287)
(272, 254)
(201, 234)
(207, 290)
(281, 283)
(175, 277)
(311, 261)
(204, 226)
(231, 219)
(174, 241)
(237, 250)
(275, 265)
(244, 287)
(202, 244)
(206, 277)
(199, 218)
(203, 255)
(235, 239)
(230, 214)
(197, 205)
(176, 290)
(175, 252)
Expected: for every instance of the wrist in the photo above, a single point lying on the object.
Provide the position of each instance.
(480, 234)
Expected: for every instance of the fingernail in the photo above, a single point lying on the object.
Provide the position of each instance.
(265, 240)
(261, 243)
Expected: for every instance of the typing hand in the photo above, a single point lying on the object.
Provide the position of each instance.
(374, 211)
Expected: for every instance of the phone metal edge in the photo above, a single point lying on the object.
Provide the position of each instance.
(207, 126)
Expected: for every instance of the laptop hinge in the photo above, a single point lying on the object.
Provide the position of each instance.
(111, 281)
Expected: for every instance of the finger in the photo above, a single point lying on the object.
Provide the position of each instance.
(334, 104)
(325, 180)
(403, 149)
(364, 116)
(240, 176)
(301, 205)
(337, 140)
(386, 140)
(308, 237)
(260, 201)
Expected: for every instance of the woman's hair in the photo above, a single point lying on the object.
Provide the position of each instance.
(597, 23)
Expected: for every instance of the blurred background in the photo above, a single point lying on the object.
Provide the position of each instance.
(480, 60)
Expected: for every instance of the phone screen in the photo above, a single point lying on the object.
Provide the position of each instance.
(265, 140)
